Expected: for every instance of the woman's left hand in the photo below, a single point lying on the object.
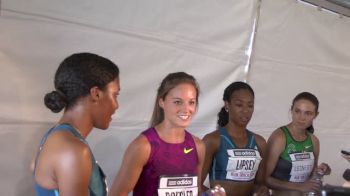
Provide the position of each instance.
(216, 191)
(262, 191)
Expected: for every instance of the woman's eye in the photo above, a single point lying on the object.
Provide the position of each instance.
(177, 102)
(309, 113)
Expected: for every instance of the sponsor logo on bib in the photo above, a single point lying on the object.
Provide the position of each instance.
(180, 182)
(178, 186)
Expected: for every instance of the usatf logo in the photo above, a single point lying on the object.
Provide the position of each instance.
(180, 182)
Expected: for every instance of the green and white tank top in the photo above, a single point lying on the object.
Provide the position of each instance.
(297, 160)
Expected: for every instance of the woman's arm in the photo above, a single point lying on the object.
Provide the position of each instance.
(72, 165)
(261, 188)
(261, 142)
(212, 143)
(135, 157)
(201, 154)
(323, 167)
(275, 146)
(316, 149)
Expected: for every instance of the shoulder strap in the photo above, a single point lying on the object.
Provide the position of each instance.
(251, 140)
(225, 137)
(59, 127)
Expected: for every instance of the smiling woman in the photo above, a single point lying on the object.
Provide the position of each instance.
(165, 152)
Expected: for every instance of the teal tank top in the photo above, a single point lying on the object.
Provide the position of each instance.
(233, 163)
(97, 185)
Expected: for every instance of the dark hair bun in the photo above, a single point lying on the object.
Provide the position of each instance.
(55, 101)
(222, 117)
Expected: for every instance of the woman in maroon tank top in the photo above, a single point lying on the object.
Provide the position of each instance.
(165, 151)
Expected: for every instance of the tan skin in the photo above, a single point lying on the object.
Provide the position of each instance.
(240, 108)
(179, 106)
(303, 114)
(65, 162)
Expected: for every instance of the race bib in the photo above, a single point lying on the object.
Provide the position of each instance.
(302, 165)
(242, 164)
(178, 186)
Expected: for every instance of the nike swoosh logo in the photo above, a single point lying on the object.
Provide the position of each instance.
(186, 151)
(308, 147)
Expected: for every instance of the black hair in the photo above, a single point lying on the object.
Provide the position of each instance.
(346, 175)
(223, 117)
(76, 75)
(168, 83)
(310, 97)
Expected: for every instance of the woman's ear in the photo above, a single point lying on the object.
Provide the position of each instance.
(161, 103)
(317, 113)
(95, 93)
(226, 105)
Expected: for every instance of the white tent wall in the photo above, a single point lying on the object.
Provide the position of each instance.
(300, 48)
(148, 39)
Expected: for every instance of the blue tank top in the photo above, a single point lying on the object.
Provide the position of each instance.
(166, 159)
(97, 185)
(233, 163)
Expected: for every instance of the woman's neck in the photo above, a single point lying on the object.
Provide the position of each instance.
(169, 133)
(79, 119)
(234, 130)
(298, 134)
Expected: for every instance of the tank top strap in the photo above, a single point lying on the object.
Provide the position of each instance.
(225, 138)
(289, 137)
(151, 134)
(251, 140)
(154, 140)
(251, 144)
(61, 127)
(189, 137)
(73, 130)
(287, 134)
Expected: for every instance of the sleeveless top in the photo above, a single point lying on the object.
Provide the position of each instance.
(97, 185)
(173, 164)
(233, 163)
(296, 162)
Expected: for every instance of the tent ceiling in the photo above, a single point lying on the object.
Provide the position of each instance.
(338, 6)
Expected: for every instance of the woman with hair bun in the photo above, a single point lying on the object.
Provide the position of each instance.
(86, 89)
(234, 155)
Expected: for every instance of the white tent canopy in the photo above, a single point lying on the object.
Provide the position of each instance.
(296, 47)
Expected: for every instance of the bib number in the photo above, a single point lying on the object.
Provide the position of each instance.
(242, 164)
(302, 165)
(178, 186)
